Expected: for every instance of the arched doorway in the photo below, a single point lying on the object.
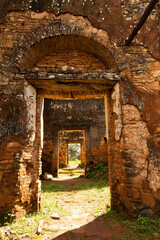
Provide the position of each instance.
(70, 66)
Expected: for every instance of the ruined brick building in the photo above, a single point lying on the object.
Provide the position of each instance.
(77, 50)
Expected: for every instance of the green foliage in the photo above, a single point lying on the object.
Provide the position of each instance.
(7, 218)
(148, 225)
(141, 228)
(145, 225)
(97, 171)
(74, 151)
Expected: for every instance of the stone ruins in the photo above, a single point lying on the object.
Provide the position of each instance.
(91, 70)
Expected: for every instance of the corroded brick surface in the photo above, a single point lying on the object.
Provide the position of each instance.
(117, 17)
(136, 157)
(70, 60)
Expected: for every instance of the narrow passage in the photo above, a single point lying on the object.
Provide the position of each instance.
(80, 204)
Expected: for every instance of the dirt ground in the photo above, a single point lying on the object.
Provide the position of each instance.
(83, 217)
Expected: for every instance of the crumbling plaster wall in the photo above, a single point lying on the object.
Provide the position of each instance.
(134, 104)
(135, 168)
(87, 115)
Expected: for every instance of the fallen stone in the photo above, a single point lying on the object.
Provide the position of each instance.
(55, 216)
(39, 230)
(48, 176)
(65, 68)
(147, 212)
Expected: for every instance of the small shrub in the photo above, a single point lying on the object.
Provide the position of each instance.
(8, 217)
(97, 171)
(148, 225)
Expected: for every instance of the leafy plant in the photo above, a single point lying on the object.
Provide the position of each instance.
(97, 171)
(148, 225)
(8, 217)
(141, 228)
(74, 151)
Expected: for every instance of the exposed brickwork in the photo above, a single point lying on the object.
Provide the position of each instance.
(100, 154)
(77, 61)
(126, 58)
(17, 193)
(18, 155)
(111, 16)
(132, 178)
(13, 54)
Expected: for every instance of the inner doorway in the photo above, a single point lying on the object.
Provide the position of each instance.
(71, 152)
(74, 155)
(71, 147)
(74, 121)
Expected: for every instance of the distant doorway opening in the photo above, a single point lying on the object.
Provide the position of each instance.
(74, 155)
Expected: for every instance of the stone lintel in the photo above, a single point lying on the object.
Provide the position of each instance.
(68, 75)
(70, 81)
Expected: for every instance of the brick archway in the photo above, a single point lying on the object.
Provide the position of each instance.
(24, 44)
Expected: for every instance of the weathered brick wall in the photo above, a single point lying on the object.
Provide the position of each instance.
(143, 69)
(70, 60)
(19, 167)
(87, 115)
(133, 10)
(134, 167)
(113, 16)
(25, 29)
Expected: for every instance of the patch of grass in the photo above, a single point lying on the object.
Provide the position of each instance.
(112, 218)
(52, 199)
(72, 171)
(99, 209)
(8, 217)
(141, 228)
(29, 224)
(95, 189)
(52, 188)
(99, 184)
(51, 229)
(75, 168)
(148, 225)
(90, 191)
(113, 214)
(74, 163)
